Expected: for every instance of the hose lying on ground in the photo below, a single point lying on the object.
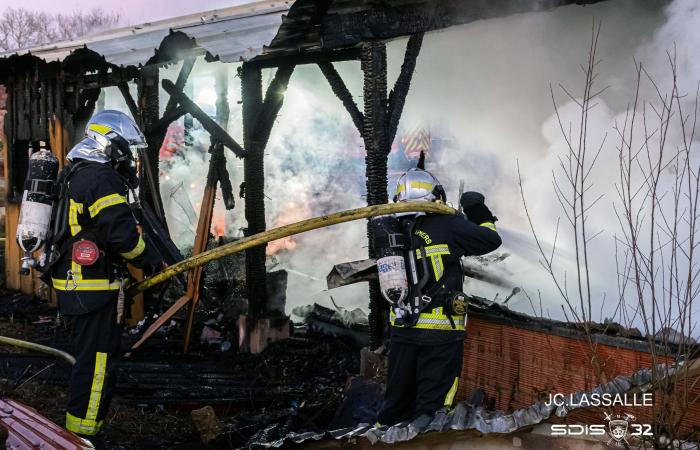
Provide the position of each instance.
(288, 230)
(37, 348)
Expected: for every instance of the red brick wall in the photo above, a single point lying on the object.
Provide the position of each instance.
(514, 365)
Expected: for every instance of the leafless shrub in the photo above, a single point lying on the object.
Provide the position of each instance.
(571, 184)
(657, 210)
(22, 28)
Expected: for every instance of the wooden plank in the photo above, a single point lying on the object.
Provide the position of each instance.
(206, 213)
(137, 308)
(12, 253)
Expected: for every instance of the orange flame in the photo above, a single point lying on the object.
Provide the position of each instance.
(219, 226)
(292, 213)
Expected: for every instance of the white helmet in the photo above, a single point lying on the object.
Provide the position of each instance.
(109, 136)
(419, 185)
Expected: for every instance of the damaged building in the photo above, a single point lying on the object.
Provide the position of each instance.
(250, 375)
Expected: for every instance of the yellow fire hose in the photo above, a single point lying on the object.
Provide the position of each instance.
(37, 348)
(265, 237)
(288, 230)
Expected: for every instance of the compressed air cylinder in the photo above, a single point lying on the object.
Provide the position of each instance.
(37, 201)
(391, 266)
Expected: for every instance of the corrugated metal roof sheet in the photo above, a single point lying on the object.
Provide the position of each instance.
(231, 34)
(244, 32)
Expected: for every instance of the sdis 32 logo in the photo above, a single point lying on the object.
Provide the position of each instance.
(619, 428)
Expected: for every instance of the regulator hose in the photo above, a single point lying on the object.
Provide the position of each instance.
(285, 231)
(37, 348)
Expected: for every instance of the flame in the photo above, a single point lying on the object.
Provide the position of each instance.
(219, 226)
(294, 212)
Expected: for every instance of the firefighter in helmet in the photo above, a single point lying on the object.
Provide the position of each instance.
(426, 343)
(97, 235)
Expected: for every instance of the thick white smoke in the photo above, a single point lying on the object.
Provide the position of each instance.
(483, 90)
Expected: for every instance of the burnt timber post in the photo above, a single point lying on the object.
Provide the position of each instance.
(254, 188)
(148, 104)
(379, 124)
(377, 146)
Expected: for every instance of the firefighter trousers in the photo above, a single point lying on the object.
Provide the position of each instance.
(421, 379)
(95, 339)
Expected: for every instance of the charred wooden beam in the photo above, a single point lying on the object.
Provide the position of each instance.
(397, 97)
(377, 145)
(254, 179)
(102, 80)
(149, 113)
(161, 126)
(343, 93)
(274, 98)
(182, 77)
(172, 112)
(218, 159)
(207, 122)
(130, 103)
(296, 59)
(87, 100)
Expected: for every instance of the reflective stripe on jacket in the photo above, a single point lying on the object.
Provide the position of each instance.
(98, 210)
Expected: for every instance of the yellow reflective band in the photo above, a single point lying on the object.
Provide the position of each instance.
(490, 225)
(80, 284)
(140, 247)
(74, 209)
(435, 252)
(105, 202)
(450, 397)
(99, 128)
(421, 185)
(98, 380)
(433, 321)
(415, 185)
(83, 426)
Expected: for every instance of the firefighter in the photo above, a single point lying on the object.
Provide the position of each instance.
(89, 269)
(425, 350)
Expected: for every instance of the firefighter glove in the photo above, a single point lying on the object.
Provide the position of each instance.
(475, 209)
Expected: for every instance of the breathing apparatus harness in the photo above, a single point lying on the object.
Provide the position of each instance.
(398, 258)
(86, 245)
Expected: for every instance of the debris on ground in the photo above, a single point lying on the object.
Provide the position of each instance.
(206, 423)
(294, 384)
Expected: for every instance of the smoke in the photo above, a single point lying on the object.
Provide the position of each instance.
(483, 92)
(488, 85)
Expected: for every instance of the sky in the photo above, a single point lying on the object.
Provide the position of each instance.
(132, 11)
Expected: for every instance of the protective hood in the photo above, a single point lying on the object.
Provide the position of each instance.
(90, 150)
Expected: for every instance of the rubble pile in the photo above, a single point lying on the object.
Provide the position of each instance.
(295, 385)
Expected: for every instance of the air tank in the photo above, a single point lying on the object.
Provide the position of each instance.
(37, 203)
(389, 244)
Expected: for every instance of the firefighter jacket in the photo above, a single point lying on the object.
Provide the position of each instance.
(445, 240)
(98, 211)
